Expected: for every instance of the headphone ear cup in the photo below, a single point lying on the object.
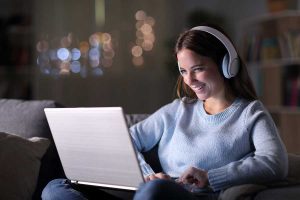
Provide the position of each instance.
(225, 66)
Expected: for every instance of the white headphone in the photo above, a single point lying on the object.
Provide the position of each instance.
(230, 63)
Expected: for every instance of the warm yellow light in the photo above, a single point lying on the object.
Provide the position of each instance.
(65, 42)
(64, 68)
(140, 15)
(139, 41)
(150, 20)
(84, 47)
(149, 37)
(146, 29)
(147, 45)
(137, 51)
(107, 46)
(139, 34)
(139, 24)
(138, 61)
(106, 37)
(94, 40)
(108, 54)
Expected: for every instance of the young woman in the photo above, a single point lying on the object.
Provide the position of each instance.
(214, 136)
(217, 134)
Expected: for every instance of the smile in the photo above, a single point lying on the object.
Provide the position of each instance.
(198, 87)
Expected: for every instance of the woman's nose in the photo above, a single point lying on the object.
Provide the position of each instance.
(189, 78)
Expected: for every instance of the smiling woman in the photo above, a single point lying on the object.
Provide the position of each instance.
(216, 116)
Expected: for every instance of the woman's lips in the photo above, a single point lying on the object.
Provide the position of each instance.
(198, 87)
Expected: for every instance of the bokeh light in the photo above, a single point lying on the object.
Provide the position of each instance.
(150, 20)
(94, 40)
(42, 46)
(140, 15)
(138, 61)
(65, 42)
(64, 57)
(137, 51)
(75, 54)
(63, 54)
(146, 29)
(64, 68)
(75, 66)
(108, 54)
(106, 37)
(145, 37)
(147, 45)
(84, 47)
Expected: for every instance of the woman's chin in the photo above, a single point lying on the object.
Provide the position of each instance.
(202, 97)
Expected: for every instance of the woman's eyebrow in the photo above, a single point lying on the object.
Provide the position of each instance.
(197, 65)
(193, 66)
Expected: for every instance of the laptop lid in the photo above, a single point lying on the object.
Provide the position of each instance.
(95, 147)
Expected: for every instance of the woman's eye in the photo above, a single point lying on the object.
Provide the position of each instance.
(182, 72)
(199, 69)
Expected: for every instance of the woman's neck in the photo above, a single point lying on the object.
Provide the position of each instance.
(214, 106)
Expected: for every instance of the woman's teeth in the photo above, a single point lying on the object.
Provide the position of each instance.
(198, 87)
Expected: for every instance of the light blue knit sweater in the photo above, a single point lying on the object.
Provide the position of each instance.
(237, 146)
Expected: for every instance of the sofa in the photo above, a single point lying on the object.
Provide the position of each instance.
(29, 159)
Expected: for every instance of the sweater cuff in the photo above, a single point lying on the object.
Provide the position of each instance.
(146, 169)
(218, 179)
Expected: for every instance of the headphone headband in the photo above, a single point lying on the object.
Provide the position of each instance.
(226, 42)
(233, 63)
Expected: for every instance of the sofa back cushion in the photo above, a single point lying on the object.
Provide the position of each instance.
(27, 119)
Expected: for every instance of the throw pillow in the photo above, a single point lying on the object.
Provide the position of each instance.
(19, 165)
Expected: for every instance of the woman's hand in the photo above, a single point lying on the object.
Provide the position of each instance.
(194, 176)
(157, 176)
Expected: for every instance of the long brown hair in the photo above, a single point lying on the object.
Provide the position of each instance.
(205, 44)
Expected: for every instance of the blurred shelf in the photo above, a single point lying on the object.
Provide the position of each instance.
(270, 46)
(284, 109)
(279, 62)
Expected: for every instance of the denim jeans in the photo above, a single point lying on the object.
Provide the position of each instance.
(62, 189)
(164, 189)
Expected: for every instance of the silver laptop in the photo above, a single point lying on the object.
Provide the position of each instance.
(95, 147)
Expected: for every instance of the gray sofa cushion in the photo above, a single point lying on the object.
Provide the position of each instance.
(286, 193)
(20, 157)
(132, 119)
(27, 119)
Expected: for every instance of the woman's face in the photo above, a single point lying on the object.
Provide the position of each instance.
(201, 74)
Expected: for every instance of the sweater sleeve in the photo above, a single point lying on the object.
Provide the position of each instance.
(266, 163)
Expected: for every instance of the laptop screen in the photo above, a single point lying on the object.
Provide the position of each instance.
(95, 147)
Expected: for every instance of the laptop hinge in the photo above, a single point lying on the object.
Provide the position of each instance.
(74, 182)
